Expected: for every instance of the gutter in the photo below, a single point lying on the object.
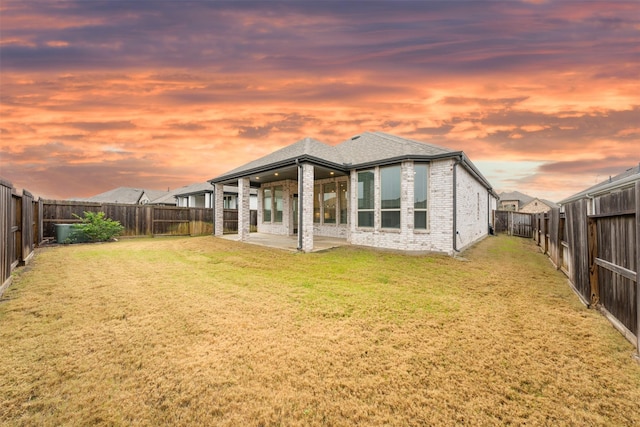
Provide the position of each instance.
(300, 200)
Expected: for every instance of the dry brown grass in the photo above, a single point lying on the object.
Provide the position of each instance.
(202, 331)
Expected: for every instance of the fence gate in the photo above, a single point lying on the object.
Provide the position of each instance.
(513, 223)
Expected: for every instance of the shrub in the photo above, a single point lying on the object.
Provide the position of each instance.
(96, 228)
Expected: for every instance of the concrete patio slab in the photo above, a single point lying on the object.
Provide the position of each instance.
(289, 243)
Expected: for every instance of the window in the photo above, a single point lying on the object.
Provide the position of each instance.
(420, 185)
(279, 203)
(266, 205)
(342, 194)
(366, 190)
(230, 202)
(329, 205)
(390, 196)
(317, 196)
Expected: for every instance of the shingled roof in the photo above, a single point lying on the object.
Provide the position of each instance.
(372, 147)
(627, 177)
(305, 148)
(358, 151)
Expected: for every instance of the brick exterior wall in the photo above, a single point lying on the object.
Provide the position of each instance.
(306, 228)
(243, 208)
(439, 234)
(473, 215)
(535, 206)
(473, 203)
(218, 223)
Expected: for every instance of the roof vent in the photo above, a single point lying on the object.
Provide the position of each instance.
(355, 137)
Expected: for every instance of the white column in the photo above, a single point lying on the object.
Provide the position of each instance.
(218, 224)
(243, 209)
(305, 228)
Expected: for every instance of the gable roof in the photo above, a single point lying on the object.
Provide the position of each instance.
(623, 179)
(549, 203)
(362, 150)
(376, 147)
(515, 195)
(133, 196)
(307, 148)
(118, 195)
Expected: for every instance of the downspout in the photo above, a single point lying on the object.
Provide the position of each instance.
(455, 205)
(300, 204)
(489, 225)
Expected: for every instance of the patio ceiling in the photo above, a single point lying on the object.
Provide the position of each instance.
(287, 172)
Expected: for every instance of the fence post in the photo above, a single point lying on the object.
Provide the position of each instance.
(510, 223)
(150, 215)
(638, 269)
(592, 242)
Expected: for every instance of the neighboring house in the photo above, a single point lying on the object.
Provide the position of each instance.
(374, 189)
(520, 202)
(198, 195)
(133, 196)
(617, 183)
(201, 196)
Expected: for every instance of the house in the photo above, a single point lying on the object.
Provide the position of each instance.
(200, 195)
(133, 196)
(374, 189)
(520, 202)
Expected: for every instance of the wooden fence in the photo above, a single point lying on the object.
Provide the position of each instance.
(513, 223)
(26, 223)
(20, 229)
(137, 220)
(599, 253)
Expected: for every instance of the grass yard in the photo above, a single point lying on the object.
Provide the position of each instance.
(203, 331)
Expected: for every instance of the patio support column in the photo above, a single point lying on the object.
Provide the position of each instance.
(305, 228)
(218, 209)
(243, 209)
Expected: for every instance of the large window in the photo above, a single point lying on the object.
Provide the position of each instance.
(342, 195)
(330, 201)
(366, 190)
(266, 205)
(420, 186)
(278, 203)
(390, 196)
(317, 196)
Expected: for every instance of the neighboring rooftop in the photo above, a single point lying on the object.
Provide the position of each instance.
(515, 196)
(623, 179)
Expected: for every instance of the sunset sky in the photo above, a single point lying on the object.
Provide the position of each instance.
(543, 96)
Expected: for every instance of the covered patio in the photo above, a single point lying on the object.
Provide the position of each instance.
(287, 183)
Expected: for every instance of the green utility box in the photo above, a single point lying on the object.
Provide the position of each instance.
(65, 233)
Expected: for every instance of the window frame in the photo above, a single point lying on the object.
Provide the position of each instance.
(421, 209)
(394, 209)
(264, 205)
(319, 211)
(368, 210)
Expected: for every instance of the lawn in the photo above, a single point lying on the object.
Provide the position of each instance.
(203, 331)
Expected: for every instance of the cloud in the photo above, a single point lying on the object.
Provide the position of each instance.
(196, 88)
(102, 126)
